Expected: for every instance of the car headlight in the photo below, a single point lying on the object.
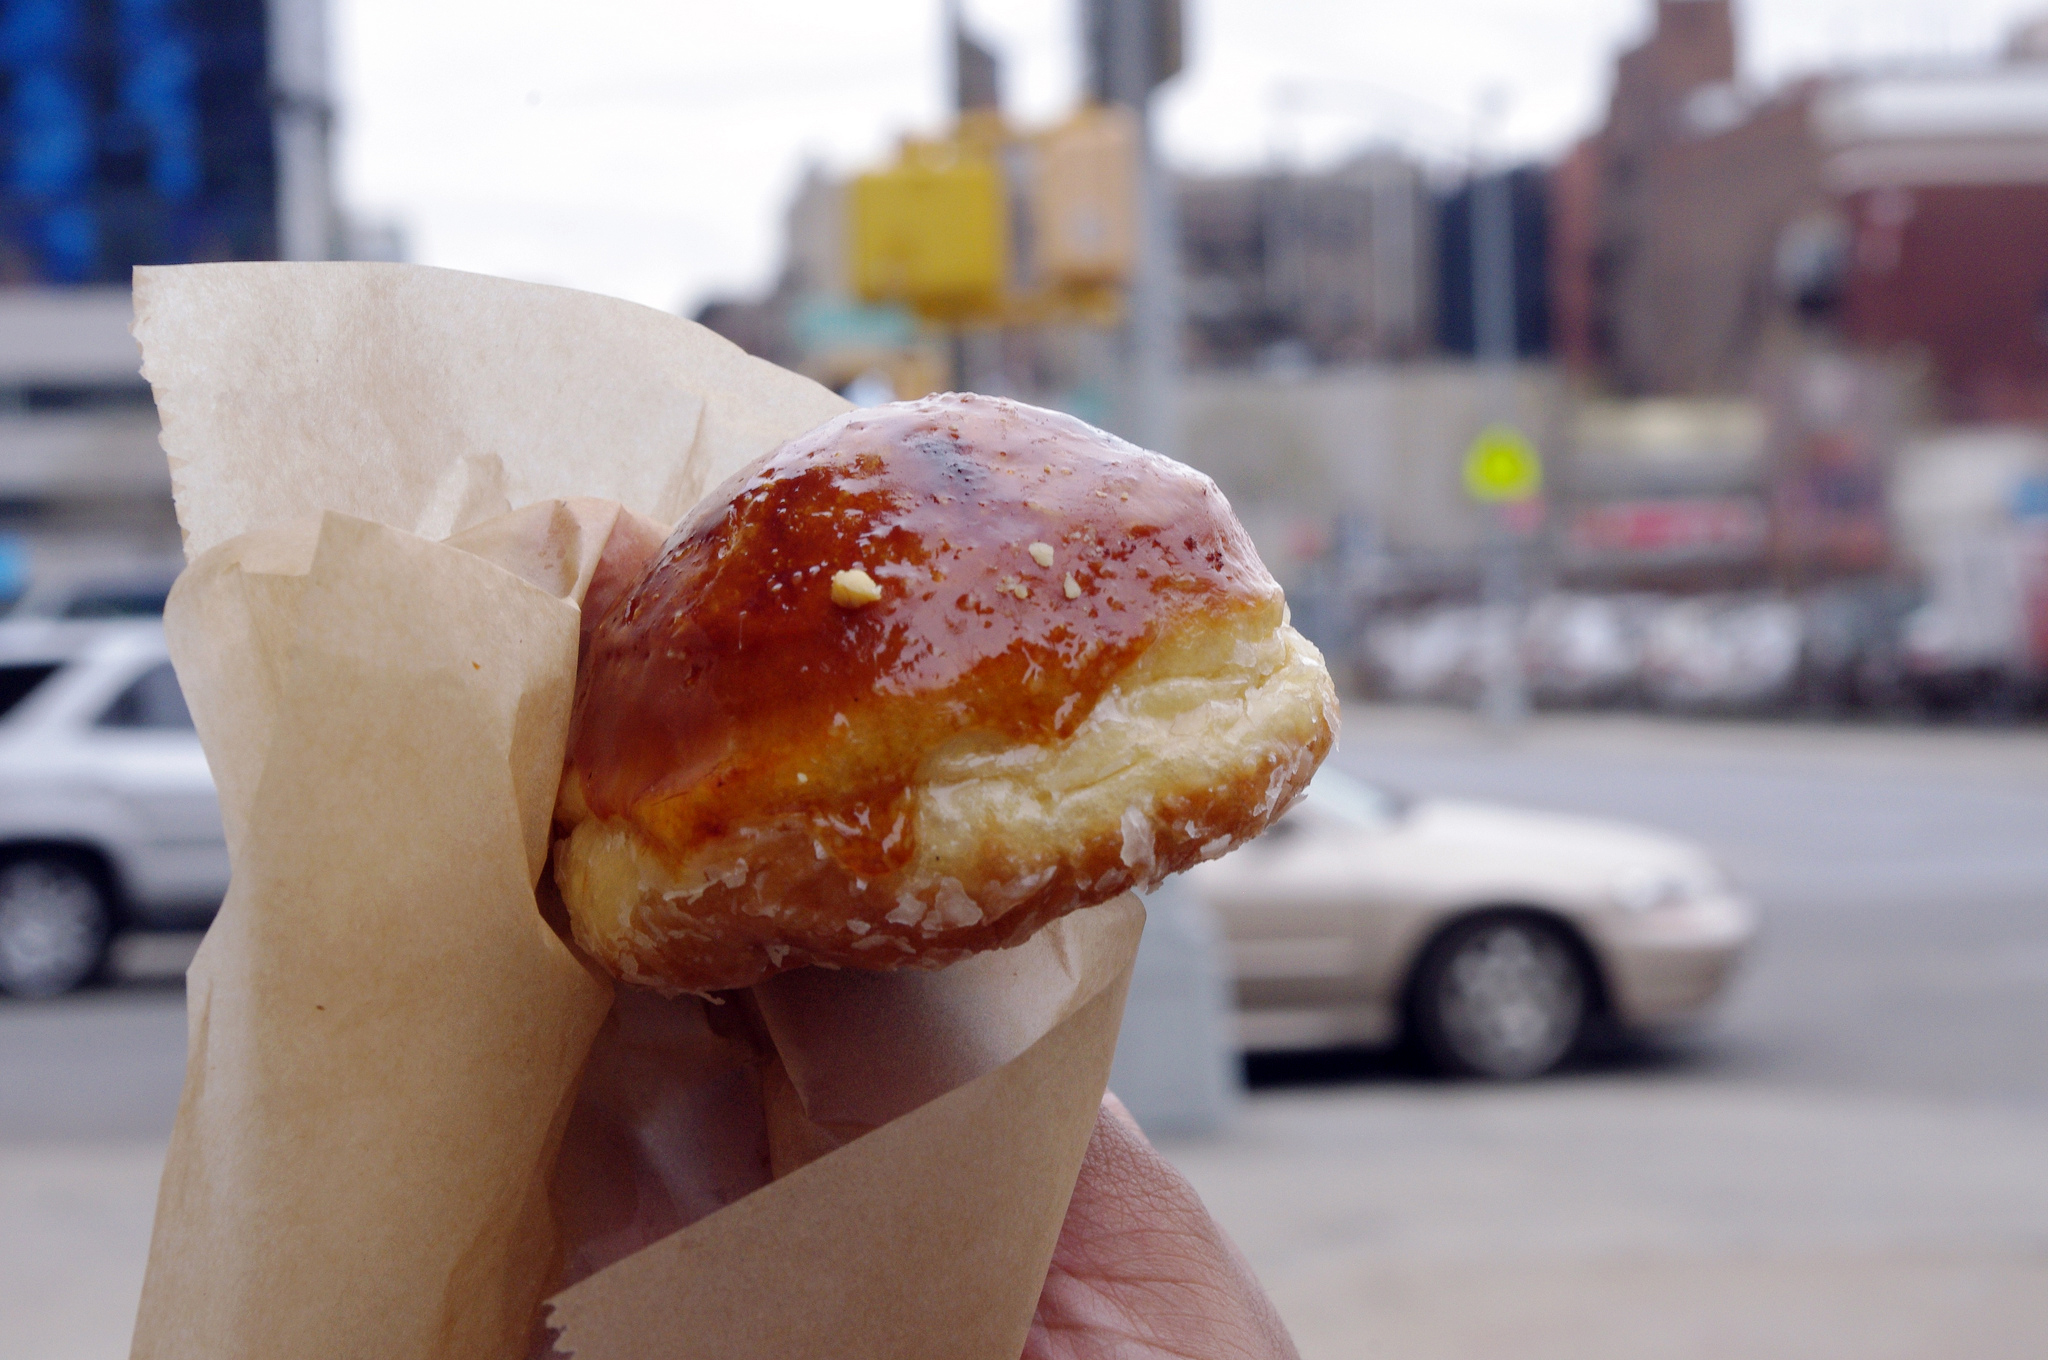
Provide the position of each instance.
(1652, 889)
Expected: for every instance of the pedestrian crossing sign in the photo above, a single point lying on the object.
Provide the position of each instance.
(1502, 467)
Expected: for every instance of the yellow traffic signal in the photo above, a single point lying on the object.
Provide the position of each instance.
(931, 232)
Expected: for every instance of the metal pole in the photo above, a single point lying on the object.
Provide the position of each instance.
(302, 124)
(1151, 340)
(1505, 699)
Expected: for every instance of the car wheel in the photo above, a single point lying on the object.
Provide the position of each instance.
(1501, 996)
(55, 926)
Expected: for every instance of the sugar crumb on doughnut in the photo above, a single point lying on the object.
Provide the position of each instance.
(852, 589)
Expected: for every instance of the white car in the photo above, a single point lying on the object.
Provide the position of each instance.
(1488, 936)
(108, 818)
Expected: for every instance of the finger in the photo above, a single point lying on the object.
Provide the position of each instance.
(1120, 1113)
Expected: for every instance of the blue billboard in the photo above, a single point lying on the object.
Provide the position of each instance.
(133, 132)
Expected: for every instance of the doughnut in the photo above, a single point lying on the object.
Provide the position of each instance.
(915, 684)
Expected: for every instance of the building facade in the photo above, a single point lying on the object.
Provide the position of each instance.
(1939, 183)
(1327, 268)
(133, 134)
(1457, 248)
(1897, 213)
(146, 132)
(1667, 222)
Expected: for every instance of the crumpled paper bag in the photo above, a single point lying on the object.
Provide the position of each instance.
(412, 1114)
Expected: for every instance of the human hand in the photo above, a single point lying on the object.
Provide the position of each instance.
(1142, 1272)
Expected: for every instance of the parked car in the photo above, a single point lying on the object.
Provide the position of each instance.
(108, 818)
(1488, 936)
(1586, 649)
(1728, 652)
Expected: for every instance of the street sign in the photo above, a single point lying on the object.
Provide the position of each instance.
(1503, 467)
(1085, 202)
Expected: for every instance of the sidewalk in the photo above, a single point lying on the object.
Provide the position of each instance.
(1596, 1220)
(74, 1236)
(1577, 1220)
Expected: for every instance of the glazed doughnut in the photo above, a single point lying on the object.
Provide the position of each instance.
(915, 684)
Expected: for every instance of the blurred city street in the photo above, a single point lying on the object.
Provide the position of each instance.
(1851, 1161)
(1642, 405)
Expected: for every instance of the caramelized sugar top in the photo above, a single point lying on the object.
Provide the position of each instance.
(727, 689)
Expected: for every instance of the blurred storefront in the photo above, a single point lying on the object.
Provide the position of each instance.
(1666, 494)
(1363, 464)
(1835, 426)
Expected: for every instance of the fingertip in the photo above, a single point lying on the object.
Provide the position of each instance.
(1120, 1114)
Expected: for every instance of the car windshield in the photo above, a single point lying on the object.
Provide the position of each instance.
(1339, 797)
(136, 602)
(153, 701)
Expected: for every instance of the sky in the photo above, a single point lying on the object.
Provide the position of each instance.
(646, 148)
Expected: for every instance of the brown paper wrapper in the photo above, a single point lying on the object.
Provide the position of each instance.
(411, 1113)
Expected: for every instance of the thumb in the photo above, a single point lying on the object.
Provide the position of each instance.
(1140, 1260)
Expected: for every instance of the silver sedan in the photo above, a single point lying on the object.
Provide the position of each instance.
(1488, 936)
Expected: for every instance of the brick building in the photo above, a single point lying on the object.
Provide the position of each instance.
(1666, 222)
(1941, 184)
(1898, 214)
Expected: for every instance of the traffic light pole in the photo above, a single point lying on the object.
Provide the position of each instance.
(1151, 339)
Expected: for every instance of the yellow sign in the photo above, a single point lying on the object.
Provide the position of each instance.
(931, 232)
(1502, 466)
